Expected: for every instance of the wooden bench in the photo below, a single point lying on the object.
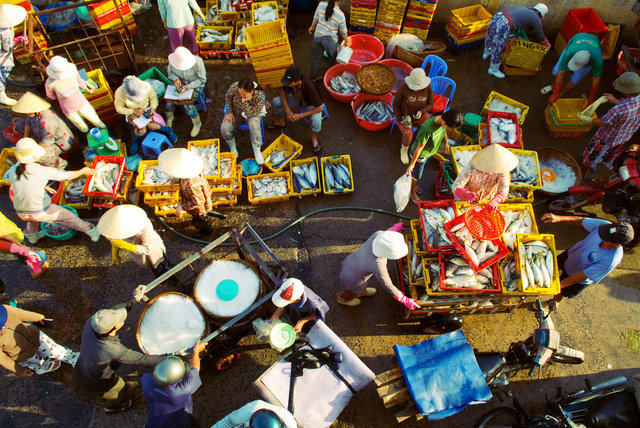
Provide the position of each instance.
(394, 392)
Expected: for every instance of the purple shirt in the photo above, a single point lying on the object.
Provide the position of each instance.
(170, 403)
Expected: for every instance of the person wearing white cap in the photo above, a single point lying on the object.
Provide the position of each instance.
(507, 21)
(486, 177)
(617, 126)
(186, 71)
(195, 192)
(411, 105)
(582, 55)
(31, 201)
(64, 84)
(10, 16)
(303, 306)
(44, 125)
(371, 260)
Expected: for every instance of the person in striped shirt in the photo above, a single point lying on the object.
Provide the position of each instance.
(328, 21)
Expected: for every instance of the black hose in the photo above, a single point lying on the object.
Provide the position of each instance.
(23, 84)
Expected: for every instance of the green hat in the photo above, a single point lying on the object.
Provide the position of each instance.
(627, 83)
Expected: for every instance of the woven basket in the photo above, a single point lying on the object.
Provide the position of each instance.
(562, 156)
(415, 59)
(376, 79)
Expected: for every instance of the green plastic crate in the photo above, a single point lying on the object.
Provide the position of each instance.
(154, 73)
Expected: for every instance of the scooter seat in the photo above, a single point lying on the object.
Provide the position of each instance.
(617, 410)
(491, 363)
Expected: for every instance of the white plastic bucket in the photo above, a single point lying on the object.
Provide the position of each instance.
(344, 55)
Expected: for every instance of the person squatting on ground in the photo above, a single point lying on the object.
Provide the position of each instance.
(10, 16)
(177, 17)
(64, 84)
(411, 106)
(186, 71)
(246, 102)
(303, 306)
(328, 22)
(486, 178)
(371, 260)
(590, 260)
(46, 127)
(258, 414)
(617, 126)
(168, 391)
(11, 238)
(507, 21)
(31, 200)
(27, 350)
(427, 142)
(298, 92)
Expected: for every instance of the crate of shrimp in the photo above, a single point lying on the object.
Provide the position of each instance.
(263, 12)
(161, 197)
(106, 178)
(499, 102)
(166, 210)
(214, 37)
(72, 195)
(208, 151)
(461, 156)
(152, 178)
(456, 274)
(504, 129)
(536, 264)
(527, 173)
(8, 162)
(419, 246)
(268, 188)
(280, 152)
(337, 175)
(433, 216)
(305, 177)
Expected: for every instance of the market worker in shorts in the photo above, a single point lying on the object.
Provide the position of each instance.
(411, 106)
(303, 306)
(591, 259)
(101, 353)
(169, 389)
(186, 71)
(258, 414)
(582, 55)
(297, 87)
(486, 177)
(328, 22)
(11, 238)
(371, 260)
(617, 126)
(177, 17)
(10, 16)
(26, 350)
(510, 20)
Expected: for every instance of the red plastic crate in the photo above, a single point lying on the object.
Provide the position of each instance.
(439, 194)
(513, 117)
(109, 159)
(443, 256)
(11, 134)
(583, 21)
(434, 204)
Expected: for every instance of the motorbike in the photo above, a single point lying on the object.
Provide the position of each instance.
(610, 404)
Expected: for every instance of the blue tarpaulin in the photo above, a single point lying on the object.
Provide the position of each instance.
(442, 375)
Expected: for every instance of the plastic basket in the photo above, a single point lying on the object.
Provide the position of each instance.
(515, 71)
(108, 159)
(267, 34)
(243, 45)
(566, 110)
(554, 130)
(103, 88)
(548, 239)
(526, 192)
(228, 200)
(583, 21)
(502, 115)
(337, 70)
(291, 148)
(518, 207)
(65, 236)
(426, 261)
(454, 150)
(534, 155)
(417, 234)
(256, 201)
(161, 210)
(77, 205)
(154, 73)
(471, 18)
(7, 154)
(483, 224)
(226, 178)
(142, 166)
(157, 198)
(371, 126)
(258, 5)
(307, 161)
(345, 160)
(610, 41)
(524, 54)
(463, 40)
(205, 143)
(222, 45)
(444, 204)
(366, 49)
(496, 96)
(444, 256)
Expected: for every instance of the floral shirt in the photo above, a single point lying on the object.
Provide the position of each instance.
(196, 195)
(484, 184)
(47, 128)
(256, 106)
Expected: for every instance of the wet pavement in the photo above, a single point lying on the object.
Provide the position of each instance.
(82, 279)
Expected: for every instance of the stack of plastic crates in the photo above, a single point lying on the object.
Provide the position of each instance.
(523, 57)
(467, 28)
(362, 17)
(561, 118)
(419, 17)
(270, 52)
(106, 15)
(102, 99)
(608, 44)
(389, 18)
(20, 53)
(583, 21)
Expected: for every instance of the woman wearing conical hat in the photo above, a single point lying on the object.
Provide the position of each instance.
(10, 16)
(486, 177)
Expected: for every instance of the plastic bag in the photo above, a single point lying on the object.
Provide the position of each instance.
(262, 329)
(402, 192)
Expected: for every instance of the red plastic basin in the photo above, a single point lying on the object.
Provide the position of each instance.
(399, 68)
(337, 70)
(371, 126)
(366, 49)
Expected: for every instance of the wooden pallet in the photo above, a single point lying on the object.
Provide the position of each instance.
(394, 392)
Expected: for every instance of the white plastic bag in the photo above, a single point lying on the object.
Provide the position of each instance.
(402, 192)
(263, 329)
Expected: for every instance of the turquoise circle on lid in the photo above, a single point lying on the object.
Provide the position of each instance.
(227, 289)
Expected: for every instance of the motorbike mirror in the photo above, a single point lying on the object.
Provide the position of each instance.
(553, 305)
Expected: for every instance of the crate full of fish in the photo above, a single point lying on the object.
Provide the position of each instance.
(8, 165)
(72, 195)
(418, 238)
(304, 177)
(504, 129)
(519, 194)
(508, 275)
(166, 210)
(263, 12)
(527, 173)
(499, 102)
(457, 275)
(414, 261)
(214, 37)
(268, 188)
(105, 180)
(241, 38)
(236, 186)
(280, 152)
(161, 197)
(433, 216)
(373, 112)
(152, 178)
(537, 264)
(431, 269)
(223, 199)
(483, 136)
(337, 175)
(227, 169)
(461, 156)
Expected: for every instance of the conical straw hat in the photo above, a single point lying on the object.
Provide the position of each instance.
(494, 159)
(180, 163)
(122, 221)
(30, 103)
(11, 15)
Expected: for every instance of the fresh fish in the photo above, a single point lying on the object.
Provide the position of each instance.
(328, 177)
(526, 172)
(269, 187)
(313, 173)
(209, 35)
(153, 175)
(264, 14)
(375, 111)
(345, 83)
(497, 105)
(104, 178)
(472, 255)
(503, 131)
(434, 220)
(56, 229)
(337, 176)
(73, 192)
(209, 156)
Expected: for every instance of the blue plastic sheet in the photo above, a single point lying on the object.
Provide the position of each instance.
(442, 375)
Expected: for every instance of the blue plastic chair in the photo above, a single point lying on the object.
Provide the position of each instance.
(325, 113)
(154, 144)
(445, 87)
(201, 104)
(437, 66)
(414, 128)
(245, 125)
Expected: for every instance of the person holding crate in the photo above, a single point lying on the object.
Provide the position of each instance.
(178, 20)
(10, 16)
(328, 22)
(507, 21)
(186, 71)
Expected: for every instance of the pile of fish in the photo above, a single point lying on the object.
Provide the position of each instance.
(209, 156)
(434, 220)
(434, 276)
(209, 35)
(536, 264)
(336, 176)
(375, 111)
(269, 187)
(169, 207)
(508, 266)
(516, 222)
(305, 177)
(153, 175)
(212, 15)
(565, 176)
(478, 250)
(226, 167)
(158, 86)
(463, 157)
(277, 158)
(514, 193)
(503, 131)
(55, 229)
(415, 265)
(104, 178)
(345, 83)
(458, 274)
(264, 14)
(526, 172)
(497, 105)
(73, 193)
(240, 37)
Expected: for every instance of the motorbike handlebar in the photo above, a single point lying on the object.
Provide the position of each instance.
(533, 369)
(610, 383)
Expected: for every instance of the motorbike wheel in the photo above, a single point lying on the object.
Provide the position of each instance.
(566, 355)
(499, 417)
(567, 202)
(225, 361)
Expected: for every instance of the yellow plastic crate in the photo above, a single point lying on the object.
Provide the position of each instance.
(502, 278)
(426, 261)
(555, 280)
(533, 154)
(151, 187)
(471, 18)
(345, 160)
(566, 110)
(610, 41)
(221, 46)
(8, 154)
(412, 281)
(103, 86)
(494, 95)
(571, 129)
(255, 201)
(418, 238)
(258, 5)
(291, 148)
(306, 161)
(524, 54)
(236, 186)
(205, 143)
(454, 150)
(227, 200)
(230, 158)
(77, 205)
(157, 198)
(521, 207)
(466, 39)
(163, 211)
(239, 25)
(267, 34)
(125, 185)
(527, 198)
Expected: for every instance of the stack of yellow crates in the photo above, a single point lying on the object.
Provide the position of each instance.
(106, 15)
(467, 28)
(362, 18)
(102, 99)
(419, 17)
(270, 52)
(389, 18)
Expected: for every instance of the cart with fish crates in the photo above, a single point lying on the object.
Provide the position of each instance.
(499, 102)
(438, 218)
(340, 165)
(213, 145)
(254, 198)
(77, 205)
(505, 126)
(283, 150)
(221, 45)
(307, 164)
(147, 166)
(89, 184)
(521, 259)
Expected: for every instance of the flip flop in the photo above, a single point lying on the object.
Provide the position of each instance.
(48, 366)
(317, 148)
(122, 408)
(273, 125)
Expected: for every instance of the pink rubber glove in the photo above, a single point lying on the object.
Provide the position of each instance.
(20, 39)
(406, 301)
(398, 227)
(546, 43)
(466, 195)
(492, 206)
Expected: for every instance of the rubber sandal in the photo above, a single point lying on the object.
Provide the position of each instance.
(273, 125)
(122, 408)
(48, 367)
(317, 148)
